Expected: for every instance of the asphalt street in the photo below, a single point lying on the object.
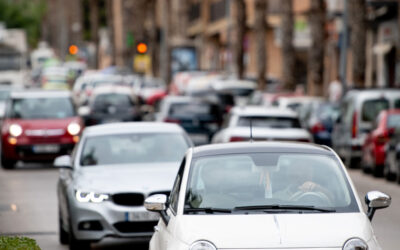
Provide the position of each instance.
(28, 206)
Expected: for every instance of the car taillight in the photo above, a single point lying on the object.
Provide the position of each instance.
(354, 125)
(237, 138)
(318, 127)
(171, 120)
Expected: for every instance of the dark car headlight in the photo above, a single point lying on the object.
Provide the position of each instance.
(355, 244)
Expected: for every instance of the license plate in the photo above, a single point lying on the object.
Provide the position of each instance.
(141, 216)
(48, 148)
(199, 138)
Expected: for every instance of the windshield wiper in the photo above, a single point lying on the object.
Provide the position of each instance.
(208, 210)
(284, 207)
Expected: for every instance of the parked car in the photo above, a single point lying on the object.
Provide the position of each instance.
(260, 123)
(358, 111)
(374, 148)
(319, 117)
(201, 119)
(38, 126)
(102, 186)
(263, 195)
(109, 104)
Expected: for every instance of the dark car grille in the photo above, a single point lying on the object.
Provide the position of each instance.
(128, 199)
(135, 227)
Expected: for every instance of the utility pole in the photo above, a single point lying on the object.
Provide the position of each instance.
(343, 48)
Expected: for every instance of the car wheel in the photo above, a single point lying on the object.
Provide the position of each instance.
(74, 243)
(390, 176)
(377, 171)
(7, 164)
(63, 235)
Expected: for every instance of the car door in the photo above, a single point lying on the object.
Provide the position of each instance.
(163, 236)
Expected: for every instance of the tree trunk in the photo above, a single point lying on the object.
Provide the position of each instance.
(260, 30)
(75, 21)
(316, 52)
(110, 28)
(94, 28)
(288, 52)
(240, 32)
(165, 57)
(357, 11)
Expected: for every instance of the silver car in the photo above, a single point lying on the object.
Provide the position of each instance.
(103, 185)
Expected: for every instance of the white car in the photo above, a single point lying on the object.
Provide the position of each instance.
(261, 123)
(102, 186)
(264, 195)
(295, 103)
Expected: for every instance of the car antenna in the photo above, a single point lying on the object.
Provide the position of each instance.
(251, 129)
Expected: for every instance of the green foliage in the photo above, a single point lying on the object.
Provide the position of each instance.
(17, 243)
(25, 14)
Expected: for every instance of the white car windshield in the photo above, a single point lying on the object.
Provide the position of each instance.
(133, 148)
(269, 180)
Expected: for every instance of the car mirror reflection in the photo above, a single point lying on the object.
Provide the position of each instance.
(376, 200)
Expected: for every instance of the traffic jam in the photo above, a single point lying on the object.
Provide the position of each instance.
(209, 162)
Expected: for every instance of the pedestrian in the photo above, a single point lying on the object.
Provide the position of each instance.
(335, 90)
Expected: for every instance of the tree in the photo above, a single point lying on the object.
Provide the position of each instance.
(357, 10)
(288, 52)
(240, 32)
(260, 30)
(152, 35)
(317, 15)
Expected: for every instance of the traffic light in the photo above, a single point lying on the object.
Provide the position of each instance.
(73, 49)
(141, 48)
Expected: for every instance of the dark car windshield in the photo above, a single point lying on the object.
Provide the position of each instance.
(112, 99)
(133, 148)
(41, 108)
(269, 179)
(372, 108)
(190, 109)
(269, 122)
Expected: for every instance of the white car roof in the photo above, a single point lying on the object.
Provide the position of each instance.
(40, 94)
(233, 83)
(177, 99)
(262, 111)
(132, 127)
(112, 89)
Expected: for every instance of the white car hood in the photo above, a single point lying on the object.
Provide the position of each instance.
(274, 231)
(144, 178)
(271, 133)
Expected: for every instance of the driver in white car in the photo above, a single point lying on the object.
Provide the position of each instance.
(302, 182)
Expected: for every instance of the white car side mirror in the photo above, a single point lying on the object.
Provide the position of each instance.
(376, 200)
(63, 161)
(156, 203)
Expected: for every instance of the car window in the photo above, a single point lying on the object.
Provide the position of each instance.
(371, 109)
(397, 103)
(173, 199)
(269, 122)
(112, 99)
(190, 109)
(41, 108)
(393, 121)
(257, 179)
(133, 148)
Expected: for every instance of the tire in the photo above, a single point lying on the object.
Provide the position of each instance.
(7, 164)
(377, 171)
(74, 243)
(390, 176)
(63, 235)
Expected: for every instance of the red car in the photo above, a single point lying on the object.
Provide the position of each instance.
(374, 146)
(38, 126)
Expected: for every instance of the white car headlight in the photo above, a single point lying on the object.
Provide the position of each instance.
(202, 245)
(90, 197)
(15, 130)
(355, 244)
(74, 128)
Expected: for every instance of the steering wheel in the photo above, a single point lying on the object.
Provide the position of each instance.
(311, 198)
